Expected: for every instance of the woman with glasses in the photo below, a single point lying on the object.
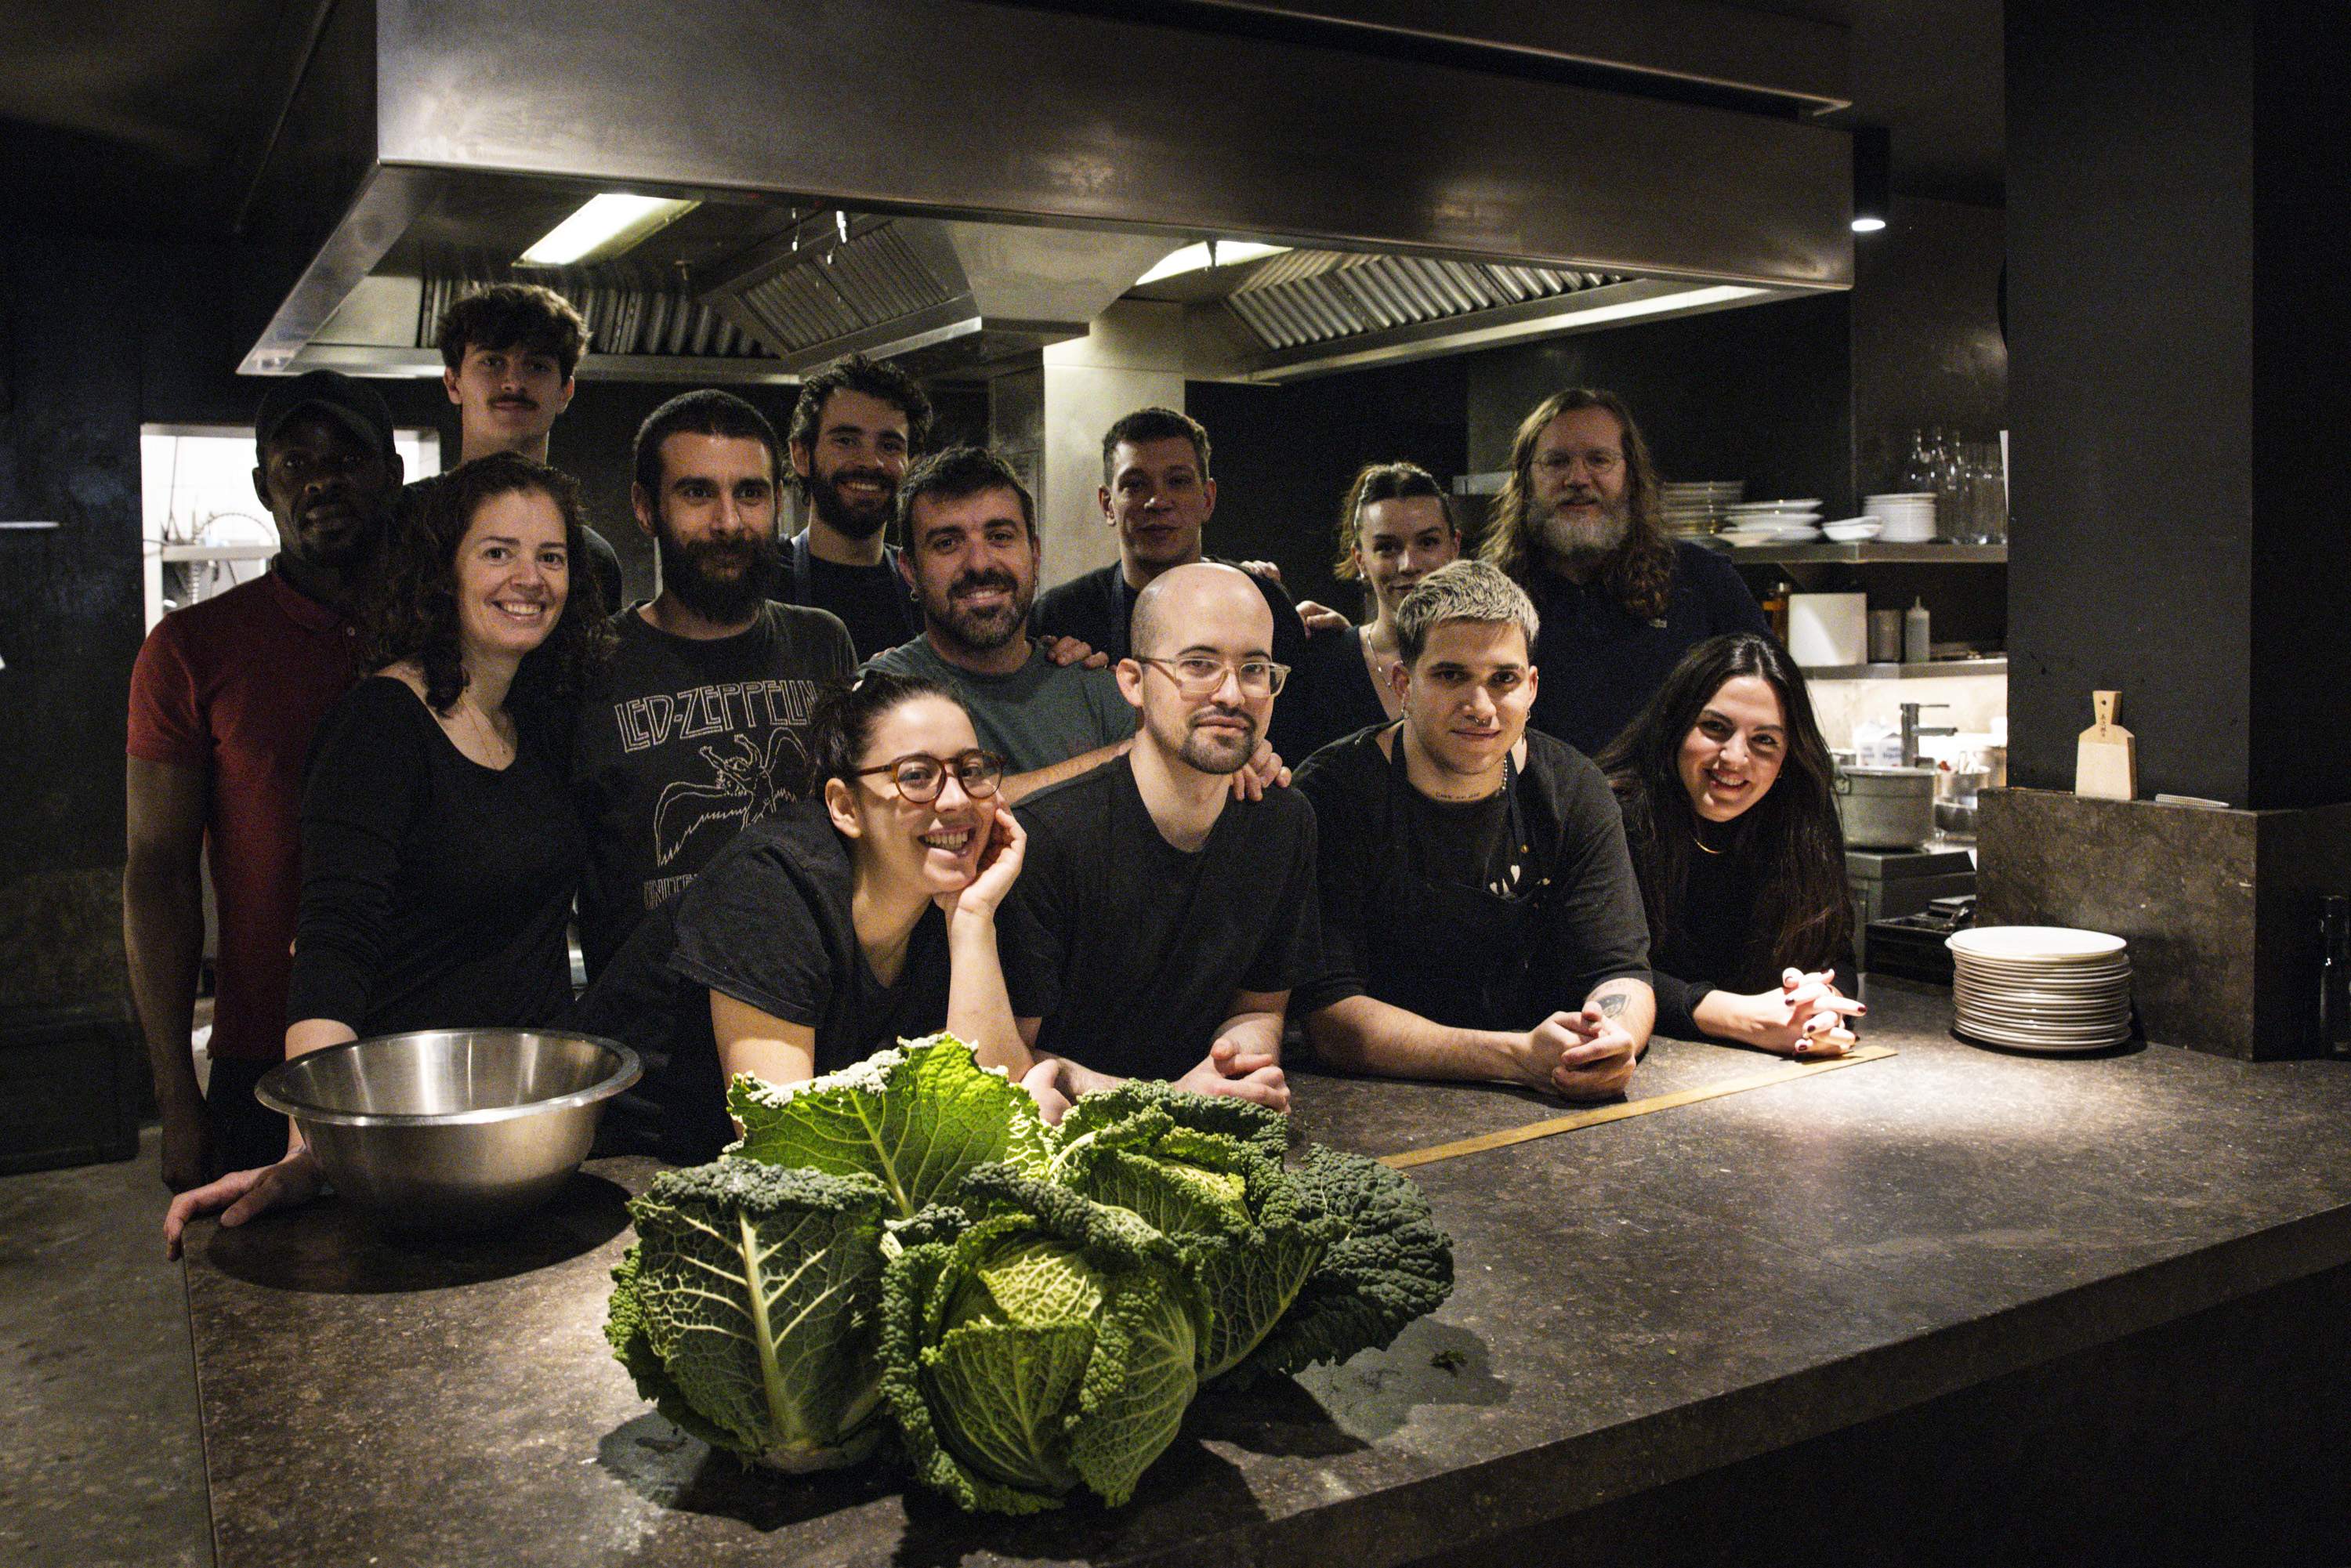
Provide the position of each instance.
(833, 927)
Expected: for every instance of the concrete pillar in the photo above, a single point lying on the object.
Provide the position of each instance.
(2177, 308)
(1132, 357)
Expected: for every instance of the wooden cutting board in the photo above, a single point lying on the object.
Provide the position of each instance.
(2105, 759)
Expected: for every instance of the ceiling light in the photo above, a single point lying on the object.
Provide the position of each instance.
(1873, 177)
(605, 226)
(1207, 254)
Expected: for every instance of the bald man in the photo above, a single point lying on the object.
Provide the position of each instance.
(1161, 917)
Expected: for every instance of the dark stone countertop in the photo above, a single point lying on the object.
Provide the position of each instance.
(1638, 1303)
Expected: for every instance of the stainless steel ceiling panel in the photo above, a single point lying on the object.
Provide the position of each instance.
(1736, 46)
(900, 105)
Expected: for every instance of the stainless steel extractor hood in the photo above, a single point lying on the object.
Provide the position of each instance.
(1000, 185)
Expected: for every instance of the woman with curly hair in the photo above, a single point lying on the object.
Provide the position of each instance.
(1396, 526)
(1730, 811)
(440, 849)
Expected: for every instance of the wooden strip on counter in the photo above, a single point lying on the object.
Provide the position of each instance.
(1504, 1139)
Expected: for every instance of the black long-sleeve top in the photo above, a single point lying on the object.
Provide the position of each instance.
(1706, 945)
(434, 891)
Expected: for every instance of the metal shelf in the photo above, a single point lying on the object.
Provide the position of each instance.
(1869, 553)
(1932, 669)
(218, 552)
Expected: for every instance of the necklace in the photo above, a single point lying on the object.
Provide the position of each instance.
(1700, 842)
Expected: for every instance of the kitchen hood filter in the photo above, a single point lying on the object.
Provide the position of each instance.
(629, 310)
(1319, 298)
(875, 278)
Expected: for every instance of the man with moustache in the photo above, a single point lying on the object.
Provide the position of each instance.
(1158, 493)
(507, 354)
(224, 699)
(970, 554)
(701, 725)
(1480, 917)
(1161, 921)
(1577, 527)
(855, 427)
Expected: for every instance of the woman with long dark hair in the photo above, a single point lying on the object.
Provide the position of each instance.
(439, 850)
(1396, 526)
(1731, 813)
(832, 927)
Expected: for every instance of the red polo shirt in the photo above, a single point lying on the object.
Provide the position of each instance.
(234, 685)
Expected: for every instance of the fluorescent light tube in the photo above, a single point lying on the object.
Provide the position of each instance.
(605, 226)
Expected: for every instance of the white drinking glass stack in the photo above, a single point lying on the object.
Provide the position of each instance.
(2047, 988)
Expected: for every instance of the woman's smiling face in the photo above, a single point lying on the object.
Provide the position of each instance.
(937, 843)
(513, 572)
(1732, 754)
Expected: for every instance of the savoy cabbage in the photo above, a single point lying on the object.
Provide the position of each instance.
(745, 1309)
(1051, 1345)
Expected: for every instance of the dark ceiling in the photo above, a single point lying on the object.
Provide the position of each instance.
(151, 123)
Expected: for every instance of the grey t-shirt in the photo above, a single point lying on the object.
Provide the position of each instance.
(1040, 714)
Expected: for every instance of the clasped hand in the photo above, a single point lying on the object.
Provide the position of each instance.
(1585, 1055)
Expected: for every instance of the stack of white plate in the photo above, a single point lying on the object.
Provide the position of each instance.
(1695, 506)
(2042, 988)
(1772, 522)
(1909, 517)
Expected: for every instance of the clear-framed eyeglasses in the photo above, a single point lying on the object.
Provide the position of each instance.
(920, 775)
(1198, 675)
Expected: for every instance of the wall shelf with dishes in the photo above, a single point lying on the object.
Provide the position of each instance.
(1932, 669)
(1870, 552)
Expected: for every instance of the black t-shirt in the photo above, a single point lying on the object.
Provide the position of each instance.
(1097, 610)
(1131, 949)
(684, 742)
(1601, 666)
(1331, 695)
(768, 923)
(872, 601)
(1377, 835)
(1710, 945)
(435, 891)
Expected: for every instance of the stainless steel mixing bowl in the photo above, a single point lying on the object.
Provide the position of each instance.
(451, 1129)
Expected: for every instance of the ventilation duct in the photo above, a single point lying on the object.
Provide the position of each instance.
(1323, 298)
(896, 286)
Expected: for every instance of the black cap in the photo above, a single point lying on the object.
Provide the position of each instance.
(359, 407)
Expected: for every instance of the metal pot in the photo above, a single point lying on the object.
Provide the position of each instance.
(451, 1129)
(1886, 808)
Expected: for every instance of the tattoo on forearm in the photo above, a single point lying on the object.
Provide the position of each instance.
(1612, 1004)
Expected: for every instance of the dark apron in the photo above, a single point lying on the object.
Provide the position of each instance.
(1455, 955)
(804, 588)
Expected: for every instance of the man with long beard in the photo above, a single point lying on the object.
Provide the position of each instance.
(856, 426)
(968, 528)
(701, 725)
(1160, 920)
(1577, 527)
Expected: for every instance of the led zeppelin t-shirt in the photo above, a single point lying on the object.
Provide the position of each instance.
(685, 742)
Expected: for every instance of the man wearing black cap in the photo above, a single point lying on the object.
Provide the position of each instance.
(224, 697)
